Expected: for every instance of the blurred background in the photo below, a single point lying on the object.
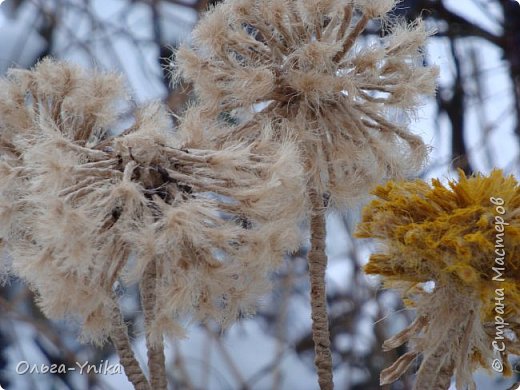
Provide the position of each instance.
(472, 124)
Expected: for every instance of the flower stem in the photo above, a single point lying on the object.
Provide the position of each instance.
(123, 347)
(156, 359)
(320, 321)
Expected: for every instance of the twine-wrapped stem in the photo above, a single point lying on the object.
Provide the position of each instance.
(317, 266)
(121, 341)
(156, 359)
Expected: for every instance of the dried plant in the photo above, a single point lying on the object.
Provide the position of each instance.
(464, 238)
(293, 70)
(82, 211)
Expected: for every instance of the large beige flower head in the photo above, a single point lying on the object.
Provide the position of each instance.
(465, 239)
(90, 211)
(301, 64)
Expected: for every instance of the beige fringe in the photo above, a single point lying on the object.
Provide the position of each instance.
(438, 368)
(317, 267)
(123, 347)
(156, 359)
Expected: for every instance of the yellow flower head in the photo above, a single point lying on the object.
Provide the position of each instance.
(465, 238)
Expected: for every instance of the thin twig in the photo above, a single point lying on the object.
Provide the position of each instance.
(281, 326)
(228, 360)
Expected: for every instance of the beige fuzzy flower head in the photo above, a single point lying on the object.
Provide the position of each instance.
(82, 211)
(303, 65)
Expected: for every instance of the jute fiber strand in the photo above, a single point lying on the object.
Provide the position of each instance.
(302, 71)
(456, 236)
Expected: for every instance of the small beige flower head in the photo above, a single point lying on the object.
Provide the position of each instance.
(93, 211)
(299, 68)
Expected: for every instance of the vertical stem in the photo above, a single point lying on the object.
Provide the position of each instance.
(123, 347)
(156, 359)
(317, 267)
